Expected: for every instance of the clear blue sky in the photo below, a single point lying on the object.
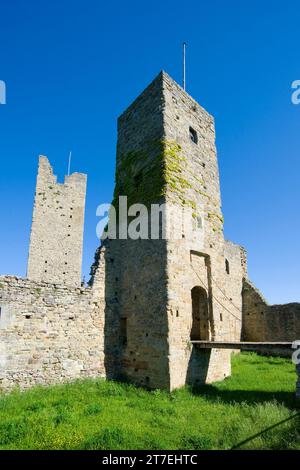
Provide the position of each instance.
(71, 67)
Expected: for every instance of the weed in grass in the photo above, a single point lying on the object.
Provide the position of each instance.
(105, 439)
(12, 431)
(196, 442)
(93, 409)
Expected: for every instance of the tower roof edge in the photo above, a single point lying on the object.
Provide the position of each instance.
(165, 79)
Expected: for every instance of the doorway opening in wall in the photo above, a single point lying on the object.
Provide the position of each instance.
(200, 314)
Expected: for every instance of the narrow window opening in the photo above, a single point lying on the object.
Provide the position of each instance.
(123, 331)
(227, 267)
(193, 135)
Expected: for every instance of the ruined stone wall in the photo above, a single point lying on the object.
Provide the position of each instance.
(235, 272)
(55, 253)
(50, 333)
(264, 322)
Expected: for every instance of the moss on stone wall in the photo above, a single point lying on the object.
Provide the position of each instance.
(139, 175)
(150, 175)
(215, 220)
(218, 216)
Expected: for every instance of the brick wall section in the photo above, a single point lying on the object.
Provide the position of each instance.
(49, 333)
(264, 322)
(55, 253)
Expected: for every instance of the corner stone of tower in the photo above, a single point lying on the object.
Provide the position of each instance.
(166, 83)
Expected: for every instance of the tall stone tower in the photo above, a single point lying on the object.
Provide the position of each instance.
(55, 252)
(163, 293)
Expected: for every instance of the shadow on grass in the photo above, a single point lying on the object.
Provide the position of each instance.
(285, 434)
(212, 393)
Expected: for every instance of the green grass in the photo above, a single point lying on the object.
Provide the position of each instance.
(95, 414)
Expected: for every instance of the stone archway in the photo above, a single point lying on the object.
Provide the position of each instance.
(200, 314)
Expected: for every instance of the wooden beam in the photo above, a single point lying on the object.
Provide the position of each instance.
(250, 345)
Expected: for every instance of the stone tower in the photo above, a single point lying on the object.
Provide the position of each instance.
(55, 252)
(163, 293)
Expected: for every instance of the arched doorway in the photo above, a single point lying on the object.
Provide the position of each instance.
(200, 312)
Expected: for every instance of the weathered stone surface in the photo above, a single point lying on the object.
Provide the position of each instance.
(49, 333)
(264, 322)
(155, 278)
(55, 253)
(148, 298)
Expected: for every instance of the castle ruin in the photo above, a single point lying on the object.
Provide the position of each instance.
(55, 252)
(149, 301)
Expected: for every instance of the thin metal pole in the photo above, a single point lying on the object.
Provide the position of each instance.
(69, 164)
(183, 71)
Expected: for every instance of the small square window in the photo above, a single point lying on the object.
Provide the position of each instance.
(193, 135)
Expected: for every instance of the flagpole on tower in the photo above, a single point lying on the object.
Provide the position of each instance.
(69, 163)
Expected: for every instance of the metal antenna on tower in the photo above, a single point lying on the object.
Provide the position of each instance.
(69, 163)
(183, 64)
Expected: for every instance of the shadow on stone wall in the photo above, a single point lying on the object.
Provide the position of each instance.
(198, 366)
(136, 323)
(112, 346)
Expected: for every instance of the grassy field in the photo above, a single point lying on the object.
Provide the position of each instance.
(106, 415)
